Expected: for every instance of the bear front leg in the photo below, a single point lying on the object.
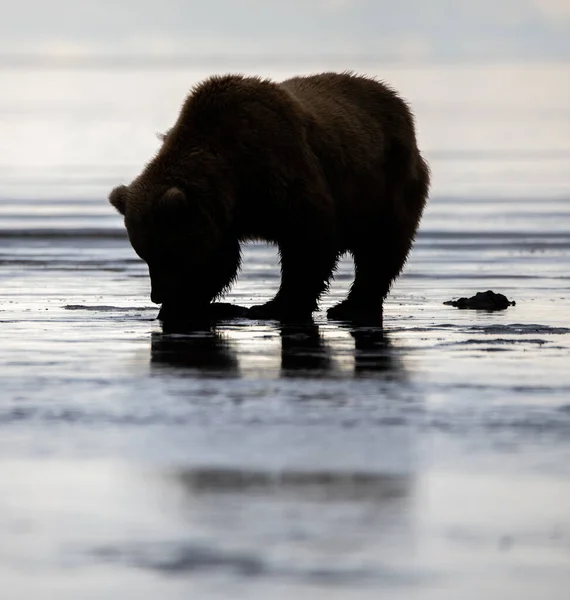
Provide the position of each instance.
(306, 268)
(223, 269)
(193, 300)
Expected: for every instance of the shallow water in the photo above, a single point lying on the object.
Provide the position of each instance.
(429, 460)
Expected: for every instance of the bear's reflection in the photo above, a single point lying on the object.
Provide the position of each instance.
(206, 352)
(304, 352)
(258, 522)
(374, 353)
(328, 485)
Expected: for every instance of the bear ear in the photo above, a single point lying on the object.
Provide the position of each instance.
(172, 200)
(162, 136)
(118, 198)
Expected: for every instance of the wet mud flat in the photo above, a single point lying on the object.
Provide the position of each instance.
(429, 459)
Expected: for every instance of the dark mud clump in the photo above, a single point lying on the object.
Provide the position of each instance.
(488, 300)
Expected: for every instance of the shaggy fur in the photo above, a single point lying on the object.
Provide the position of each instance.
(319, 165)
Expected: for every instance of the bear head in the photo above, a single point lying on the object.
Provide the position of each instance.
(177, 213)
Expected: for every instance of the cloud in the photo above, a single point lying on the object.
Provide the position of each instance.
(335, 5)
(553, 9)
(410, 30)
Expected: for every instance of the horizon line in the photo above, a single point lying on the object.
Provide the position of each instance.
(181, 60)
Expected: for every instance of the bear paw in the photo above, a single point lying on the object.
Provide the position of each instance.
(356, 313)
(216, 311)
(279, 311)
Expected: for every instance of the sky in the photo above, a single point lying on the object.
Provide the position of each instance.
(399, 30)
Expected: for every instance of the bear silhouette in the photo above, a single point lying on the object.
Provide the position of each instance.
(321, 166)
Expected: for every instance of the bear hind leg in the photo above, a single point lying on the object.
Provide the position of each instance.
(379, 261)
(365, 299)
(376, 265)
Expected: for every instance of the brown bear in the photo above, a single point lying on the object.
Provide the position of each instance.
(319, 165)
